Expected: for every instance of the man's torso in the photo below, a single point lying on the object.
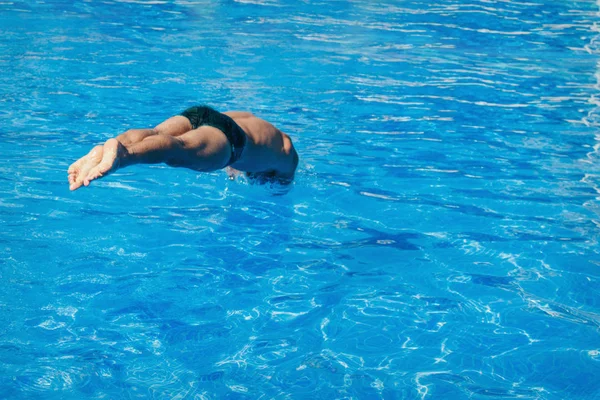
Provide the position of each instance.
(268, 150)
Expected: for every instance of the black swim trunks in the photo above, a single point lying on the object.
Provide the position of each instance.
(203, 115)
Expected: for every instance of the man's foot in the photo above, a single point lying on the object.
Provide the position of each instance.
(80, 168)
(114, 153)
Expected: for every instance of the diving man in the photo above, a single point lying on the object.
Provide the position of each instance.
(201, 139)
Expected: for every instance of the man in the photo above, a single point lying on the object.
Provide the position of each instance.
(201, 139)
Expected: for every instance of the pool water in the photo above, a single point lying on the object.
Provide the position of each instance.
(440, 240)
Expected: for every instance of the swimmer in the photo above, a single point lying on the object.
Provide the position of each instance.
(201, 139)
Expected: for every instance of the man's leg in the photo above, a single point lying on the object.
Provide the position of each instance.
(174, 126)
(79, 170)
(202, 149)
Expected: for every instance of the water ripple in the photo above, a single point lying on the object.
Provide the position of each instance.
(440, 239)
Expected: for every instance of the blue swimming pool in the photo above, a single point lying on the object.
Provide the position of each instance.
(440, 240)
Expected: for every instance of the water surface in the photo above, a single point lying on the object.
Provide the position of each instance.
(440, 240)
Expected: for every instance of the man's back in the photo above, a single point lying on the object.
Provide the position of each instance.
(268, 151)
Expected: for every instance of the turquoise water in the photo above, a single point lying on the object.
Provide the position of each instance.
(440, 240)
